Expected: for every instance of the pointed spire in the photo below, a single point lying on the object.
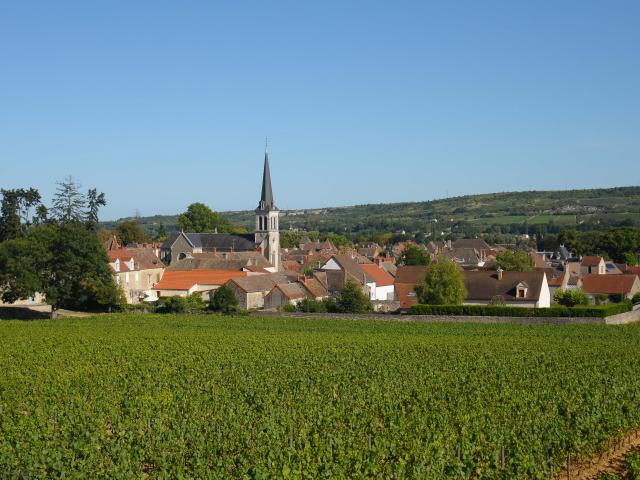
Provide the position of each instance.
(266, 197)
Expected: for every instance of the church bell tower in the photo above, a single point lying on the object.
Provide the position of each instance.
(267, 221)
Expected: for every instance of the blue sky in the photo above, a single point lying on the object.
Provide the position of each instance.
(160, 104)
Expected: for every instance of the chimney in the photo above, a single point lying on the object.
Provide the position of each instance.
(499, 273)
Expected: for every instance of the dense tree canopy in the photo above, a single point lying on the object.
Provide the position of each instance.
(129, 231)
(200, 218)
(618, 244)
(414, 255)
(65, 263)
(16, 212)
(518, 261)
(443, 284)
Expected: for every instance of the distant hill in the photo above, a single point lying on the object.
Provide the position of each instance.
(592, 208)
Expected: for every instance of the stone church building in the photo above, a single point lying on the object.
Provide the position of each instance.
(265, 240)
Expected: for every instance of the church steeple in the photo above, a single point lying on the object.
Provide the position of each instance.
(267, 222)
(266, 197)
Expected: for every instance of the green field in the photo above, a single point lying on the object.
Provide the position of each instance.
(128, 396)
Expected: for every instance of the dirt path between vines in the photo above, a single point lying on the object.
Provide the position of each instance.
(610, 462)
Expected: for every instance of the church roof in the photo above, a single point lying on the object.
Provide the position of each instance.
(218, 241)
(266, 196)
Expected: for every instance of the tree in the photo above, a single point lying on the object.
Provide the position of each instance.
(518, 261)
(95, 200)
(68, 202)
(161, 233)
(353, 299)
(129, 231)
(443, 284)
(65, 263)
(414, 255)
(224, 300)
(201, 219)
(16, 210)
(570, 297)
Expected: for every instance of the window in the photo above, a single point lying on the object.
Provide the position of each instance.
(521, 293)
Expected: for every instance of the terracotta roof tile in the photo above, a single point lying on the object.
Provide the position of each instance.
(591, 261)
(609, 284)
(378, 275)
(186, 279)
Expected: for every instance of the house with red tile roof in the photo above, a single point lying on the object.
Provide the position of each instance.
(593, 264)
(373, 279)
(624, 285)
(407, 277)
(185, 282)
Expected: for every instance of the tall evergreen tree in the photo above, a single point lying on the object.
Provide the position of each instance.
(95, 200)
(68, 202)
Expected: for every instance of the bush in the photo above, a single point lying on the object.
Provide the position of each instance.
(311, 305)
(191, 304)
(510, 311)
(636, 298)
(571, 297)
(224, 300)
(353, 299)
(143, 307)
(289, 307)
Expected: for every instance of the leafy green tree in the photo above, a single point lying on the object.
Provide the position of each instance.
(353, 299)
(630, 258)
(65, 263)
(570, 297)
(224, 300)
(414, 255)
(68, 202)
(199, 218)
(443, 284)
(15, 212)
(340, 241)
(95, 200)
(518, 261)
(161, 233)
(129, 231)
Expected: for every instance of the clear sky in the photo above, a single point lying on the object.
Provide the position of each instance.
(163, 103)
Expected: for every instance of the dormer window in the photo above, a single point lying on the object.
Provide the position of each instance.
(521, 290)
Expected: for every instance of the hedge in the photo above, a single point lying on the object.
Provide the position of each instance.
(509, 311)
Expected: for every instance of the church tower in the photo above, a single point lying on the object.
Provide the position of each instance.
(267, 221)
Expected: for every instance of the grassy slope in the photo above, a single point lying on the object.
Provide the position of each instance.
(486, 209)
(209, 396)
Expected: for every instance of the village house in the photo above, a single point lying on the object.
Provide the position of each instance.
(182, 283)
(522, 289)
(292, 293)
(612, 286)
(407, 277)
(136, 271)
(374, 280)
(250, 291)
(592, 265)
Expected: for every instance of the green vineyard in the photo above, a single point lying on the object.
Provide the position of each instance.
(146, 396)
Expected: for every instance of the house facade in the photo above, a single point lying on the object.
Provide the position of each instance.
(135, 271)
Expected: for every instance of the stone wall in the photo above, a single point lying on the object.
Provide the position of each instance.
(621, 319)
